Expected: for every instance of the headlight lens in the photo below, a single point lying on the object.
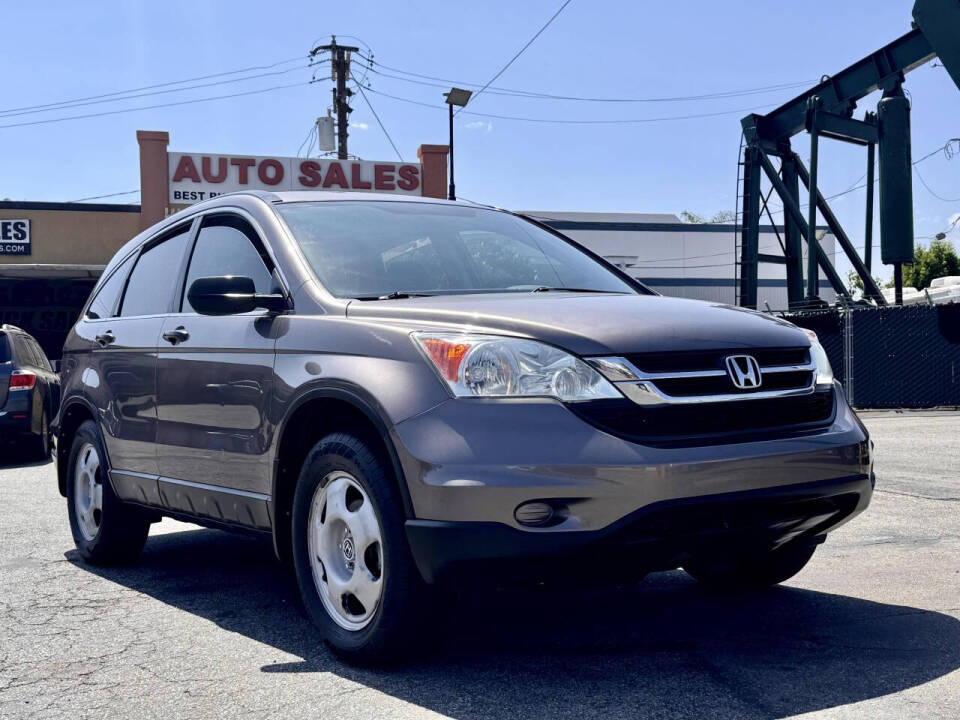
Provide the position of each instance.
(819, 357)
(494, 366)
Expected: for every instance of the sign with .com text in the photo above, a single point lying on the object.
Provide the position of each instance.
(197, 176)
(14, 237)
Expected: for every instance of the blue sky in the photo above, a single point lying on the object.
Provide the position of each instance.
(61, 51)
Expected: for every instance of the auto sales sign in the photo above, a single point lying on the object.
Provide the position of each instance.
(14, 237)
(198, 176)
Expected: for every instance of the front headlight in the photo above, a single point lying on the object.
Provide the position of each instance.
(819, 357)
(494, 366)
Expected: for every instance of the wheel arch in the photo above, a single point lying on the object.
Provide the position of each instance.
(72, 415)
(313, 414)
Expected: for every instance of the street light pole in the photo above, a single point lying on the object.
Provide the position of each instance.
(460, 97)
(452, 194)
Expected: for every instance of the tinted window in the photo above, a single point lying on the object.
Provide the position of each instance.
(227, 245)
(369, 249)
(105, 302)
(151, 285)
(40, 355)
(23, 351)
(4, 348)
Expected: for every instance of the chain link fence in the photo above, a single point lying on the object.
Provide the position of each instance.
(891, 357)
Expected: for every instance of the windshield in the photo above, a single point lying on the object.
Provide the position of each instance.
(380, 248)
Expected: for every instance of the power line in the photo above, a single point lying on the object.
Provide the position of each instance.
(534, 95)
(562, 121)
(521, 51)
(151, 87)
(379, 122)
(153, 107)
(929, 190)
(100, 197)
(162, 92)
(308, 137)
(945, 149)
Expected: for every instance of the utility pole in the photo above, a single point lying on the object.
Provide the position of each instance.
(339, 72)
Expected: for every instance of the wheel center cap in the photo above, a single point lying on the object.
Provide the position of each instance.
(346, 547)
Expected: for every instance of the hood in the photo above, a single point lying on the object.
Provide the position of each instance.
(593, 324)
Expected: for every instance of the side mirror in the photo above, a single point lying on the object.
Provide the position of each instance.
(230, 295)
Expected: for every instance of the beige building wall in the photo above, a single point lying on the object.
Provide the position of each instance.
(83, 236)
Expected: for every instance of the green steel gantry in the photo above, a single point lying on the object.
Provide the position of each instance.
(826, 110)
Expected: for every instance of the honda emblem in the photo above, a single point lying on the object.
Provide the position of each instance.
(744, 371)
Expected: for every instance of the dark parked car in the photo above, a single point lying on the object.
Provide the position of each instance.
(404, 392)
(29, 393)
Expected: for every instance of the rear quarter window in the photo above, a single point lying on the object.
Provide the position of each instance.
(104, 303)
(4, 348)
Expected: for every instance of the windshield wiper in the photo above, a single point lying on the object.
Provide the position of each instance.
(546, 288)
(395, 295)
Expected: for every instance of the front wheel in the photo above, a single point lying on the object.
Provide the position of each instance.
(357, 578)
(106, 530)
(761, 570)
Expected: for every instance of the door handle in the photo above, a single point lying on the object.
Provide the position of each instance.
(177, 335)
(106, 338)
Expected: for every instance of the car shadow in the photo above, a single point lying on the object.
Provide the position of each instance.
(666, 647)
(11, 458)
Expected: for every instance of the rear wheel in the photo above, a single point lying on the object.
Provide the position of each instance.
(357, 578)
(42, 443)
(105, 530)
(761, 570)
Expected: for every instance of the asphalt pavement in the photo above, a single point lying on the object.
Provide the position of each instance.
(208, 625)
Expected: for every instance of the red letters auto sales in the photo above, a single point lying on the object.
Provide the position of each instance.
(195, 176)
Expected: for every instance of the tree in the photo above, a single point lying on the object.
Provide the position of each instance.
(724, 216)
(855, 284)
(929, 263)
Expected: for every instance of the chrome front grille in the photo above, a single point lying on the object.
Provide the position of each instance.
(704, 377)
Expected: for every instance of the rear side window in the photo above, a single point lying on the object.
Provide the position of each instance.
(39, 354)
(151, 285)
(23, 351)
(228, 245)
(4, 348)
(104, 304)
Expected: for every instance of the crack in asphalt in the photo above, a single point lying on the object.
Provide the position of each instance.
(915, 495)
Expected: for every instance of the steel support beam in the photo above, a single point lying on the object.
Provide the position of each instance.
(813, 246)
(839, 93)
(750, 234)
(776, 259)
(868, 227)
(793, 241)
(870, 286)
(837, 127)
(794, 210)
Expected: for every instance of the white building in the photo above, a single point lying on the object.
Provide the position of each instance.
(683, 259)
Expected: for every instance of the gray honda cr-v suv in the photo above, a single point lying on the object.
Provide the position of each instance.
(405, 392)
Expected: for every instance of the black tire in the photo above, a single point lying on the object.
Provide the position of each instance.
(394, 625)
(122, 528)
(759, 571)
(42, 443)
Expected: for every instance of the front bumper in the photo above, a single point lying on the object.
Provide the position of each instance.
(469, 463)
(656, 537)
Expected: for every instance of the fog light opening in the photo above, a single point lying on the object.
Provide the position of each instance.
(537, 513)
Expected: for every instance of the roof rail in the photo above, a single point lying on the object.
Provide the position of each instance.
(264, 195)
